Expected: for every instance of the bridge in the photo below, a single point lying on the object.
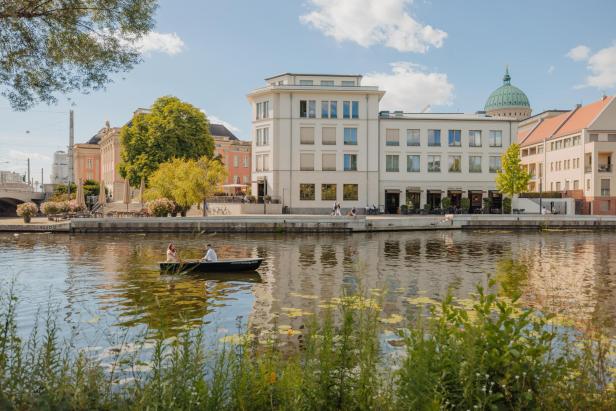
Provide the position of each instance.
(12, 194)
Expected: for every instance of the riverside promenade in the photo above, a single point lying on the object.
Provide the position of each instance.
(309, 224)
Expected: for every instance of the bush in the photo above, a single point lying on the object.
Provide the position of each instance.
(28, 209)
(49, 207)
(63, 206)
(74, 207)
(251, 199)
(465, 204)
(446, 203)
(507, 205)
(160, 207)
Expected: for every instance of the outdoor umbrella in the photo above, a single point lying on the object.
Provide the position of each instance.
(141, 191)
(81, 201)
(102, 199)
(126, 194)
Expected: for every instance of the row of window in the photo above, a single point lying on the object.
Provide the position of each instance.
(236, 180)
(328, 136)
(413, 163)
(263, 136)
(565, 143)
(413, 138)
(262, 162)
(307, 192)
(236, 161)
(564, 164)
(262, 110)
(329, 109)
(556, 186)
(328, 83)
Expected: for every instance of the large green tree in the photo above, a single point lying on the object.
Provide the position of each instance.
(171, 129)
(513, 178)
(51, 47)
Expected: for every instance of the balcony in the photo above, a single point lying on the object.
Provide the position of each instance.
(604, 168)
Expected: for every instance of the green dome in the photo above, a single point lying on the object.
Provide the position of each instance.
(507, 96)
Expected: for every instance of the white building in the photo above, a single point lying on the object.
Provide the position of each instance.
(60, 168)
(314, 140)
(320, 138)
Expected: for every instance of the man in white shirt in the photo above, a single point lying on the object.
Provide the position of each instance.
(210, 255)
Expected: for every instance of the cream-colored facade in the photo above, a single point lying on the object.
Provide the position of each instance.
(110, 160)
(426, 157)
(314, 141)
(573, 152)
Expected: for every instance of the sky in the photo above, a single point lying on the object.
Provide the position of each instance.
(447, 54)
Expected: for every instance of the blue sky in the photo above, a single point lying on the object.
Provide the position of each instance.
(447, 53)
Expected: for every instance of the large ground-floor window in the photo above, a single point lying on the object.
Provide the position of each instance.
(328, 192)
(306, 191)
(350, 192)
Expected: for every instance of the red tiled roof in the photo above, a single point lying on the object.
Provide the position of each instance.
(544, 130)
(583, 117)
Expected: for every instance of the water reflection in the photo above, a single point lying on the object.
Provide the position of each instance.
(116, 278)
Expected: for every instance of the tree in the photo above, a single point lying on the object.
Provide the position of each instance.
(513, 178)
(186, 182)
(172, 129)
(60, 46)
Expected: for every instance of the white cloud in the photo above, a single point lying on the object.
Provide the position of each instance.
(551, 70)
(370, 22)
(602, 66)
(22, 156)
(217, 120)
(579, 53)
(410, 87)
(154, 42)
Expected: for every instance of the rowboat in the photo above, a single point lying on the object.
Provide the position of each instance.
(220, 266)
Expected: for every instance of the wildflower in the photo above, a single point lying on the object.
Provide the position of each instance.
(272, 377)
(517, 377)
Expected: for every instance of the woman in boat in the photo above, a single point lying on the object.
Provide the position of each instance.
(172, 254)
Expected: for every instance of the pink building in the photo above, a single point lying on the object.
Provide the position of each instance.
(235, 154)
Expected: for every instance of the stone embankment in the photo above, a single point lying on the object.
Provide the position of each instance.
(310, 224)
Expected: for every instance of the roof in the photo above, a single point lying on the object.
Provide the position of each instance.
(398, 115)
(543, 130)
(219, 130)
(313, 75)
(507, 96)
(583, 117)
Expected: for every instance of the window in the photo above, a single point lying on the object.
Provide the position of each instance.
(355, 109)
(306, 135)
(347, 83)
(89, 164)
(495, 165)
(576, 184)
(412, 137)
(558, 186)
(588, 184)
(434, 138)
(328, 162)
(328, 136)
(245, 161)
(328, 192)
(412, 163)
(392, 163)
(392, 137)
(306, 192)
(566, 185)
(350, 136)
(434, 164)
(605, 187)
(350, 162)
(262, 110)
(346, 109)
(307, 108)
(236, 161)
(246, 180)
(474, 164)
(262, 162)
(474, 138)
(496, 138)
(329, 109)
(455, 164)
(455, 138)
(327, 83)
(350, 192)
(263, 136)
(306, 161)
(305, 83)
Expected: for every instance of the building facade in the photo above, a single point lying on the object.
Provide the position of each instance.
(86, 162)
(318, 139)
(314, 140)
(60, 172)
(425, 157)
(573, 152)
(234, 153)
(110, 160)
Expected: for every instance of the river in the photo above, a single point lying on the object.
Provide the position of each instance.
(105, 288)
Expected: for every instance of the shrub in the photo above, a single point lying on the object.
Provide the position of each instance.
(251, 199)
(507, 205)
(160, 207)
(63, 206)
(446, 203)
(49, 207)
(465, 204)
(28, 209)
(74, 207)
(545, 194)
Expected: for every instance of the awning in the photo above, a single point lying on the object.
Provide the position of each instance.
(454, 190)
(234, 186)
(435, 191)
(414, 189)
(392, 190)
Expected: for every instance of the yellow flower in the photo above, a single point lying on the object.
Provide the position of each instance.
(272, 377)
(394, 319)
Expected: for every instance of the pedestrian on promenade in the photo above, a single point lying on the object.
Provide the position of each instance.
(337, 209)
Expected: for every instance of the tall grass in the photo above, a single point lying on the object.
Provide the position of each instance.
(489, 354)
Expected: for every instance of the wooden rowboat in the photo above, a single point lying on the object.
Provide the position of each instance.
(220, 266)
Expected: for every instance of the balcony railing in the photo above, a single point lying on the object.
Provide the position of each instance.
(605, 168)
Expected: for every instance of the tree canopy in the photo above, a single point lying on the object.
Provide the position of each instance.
(186, 182)
(513, 178)
(50, 47)
(171, 129)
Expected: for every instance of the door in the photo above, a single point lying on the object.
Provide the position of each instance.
(455, 196)
(476, 201)
(260, 191)
(434, 199)
(392, 202)
(413, 197)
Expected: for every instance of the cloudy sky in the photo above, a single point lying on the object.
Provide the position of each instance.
(449, 54)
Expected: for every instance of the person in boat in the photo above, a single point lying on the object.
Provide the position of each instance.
(210, 254)
(172, 254)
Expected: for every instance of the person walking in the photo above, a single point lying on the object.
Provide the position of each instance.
(337, 209)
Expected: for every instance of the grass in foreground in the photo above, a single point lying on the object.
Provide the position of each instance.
(491, 354)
